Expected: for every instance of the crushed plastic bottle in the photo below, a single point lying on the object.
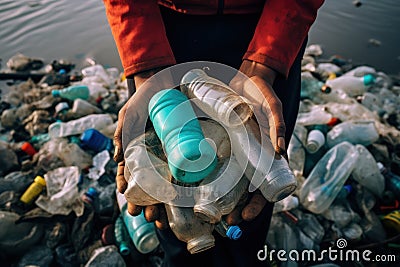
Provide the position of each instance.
(99, 163)
(327, 178)
(355, 132)
(188, 228)
(211, 210)
(367, 173)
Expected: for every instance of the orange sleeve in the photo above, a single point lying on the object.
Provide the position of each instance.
(139, 34)
(280, 32)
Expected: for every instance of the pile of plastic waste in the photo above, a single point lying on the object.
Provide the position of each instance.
(58, 200)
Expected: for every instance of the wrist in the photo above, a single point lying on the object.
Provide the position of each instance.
(253, 68)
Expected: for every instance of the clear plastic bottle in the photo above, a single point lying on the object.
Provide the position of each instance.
(232, 232)
(188, 228)
(211, 210)
(353, 86)
(83, 108)
(367, 173)
(190, 157)
(215, 98)
(73, 92)
(340, 214)
(328, 177)
(317, 115)
(140, 231)
(354, 131)
(270, 174)
(147, 175)
(96, 121)
(360, 71)
(296, 150)
(33, 190)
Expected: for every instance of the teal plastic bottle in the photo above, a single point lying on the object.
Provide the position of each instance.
(122, 236)
(73, 92)
(141, 232)
(190, 157)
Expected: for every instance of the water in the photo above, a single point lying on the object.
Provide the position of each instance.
(75, 30)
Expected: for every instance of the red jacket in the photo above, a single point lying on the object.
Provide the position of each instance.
(142, 43)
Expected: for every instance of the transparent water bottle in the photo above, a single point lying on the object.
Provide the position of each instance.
(351, 85)
(225, 192)
(215, 98)
(74, 127)
(188, 228)
(392, 180)
(367, 173)
(328, 177)
(190, 157)
(148, 176)
(296, 150)
(140, 231)
(355, 131)
(73, 92)
(270, 174)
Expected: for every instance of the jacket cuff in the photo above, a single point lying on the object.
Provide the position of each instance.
(148, 65)
(271, 62)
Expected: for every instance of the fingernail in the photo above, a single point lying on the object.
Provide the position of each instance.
(116, 153)
(281, 143)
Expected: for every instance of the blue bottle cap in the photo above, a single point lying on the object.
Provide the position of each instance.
(348, 188)
(62, 71)
(55, 93)
(369, 79)
(92, 192)
(234, 232)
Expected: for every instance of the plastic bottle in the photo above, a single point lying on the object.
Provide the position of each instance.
(311, 88)
(140, 231)
(354, 131)
(188, 228)
(83, 108)
(190, 157)
(270, 174)
(360, 71)
(310, 226)
(352, 232)
(33, 190)
(328, 177)
(317, 115)
(215, 98)
(232, 232)
(392, 180)
(341, 214)
(147, 175)
(367, 173)
(96, 141)
(96, 121)
(296, 150)
(122, 237)
(289, 203)
(211, 210)
(73, 92)
(351, 85)
(315, 140)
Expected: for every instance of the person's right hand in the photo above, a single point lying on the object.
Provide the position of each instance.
(134, 124)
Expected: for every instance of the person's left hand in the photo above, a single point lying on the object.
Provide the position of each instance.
(268, 110)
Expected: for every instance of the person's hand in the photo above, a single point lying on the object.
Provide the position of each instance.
(268, 110)
(132, 120)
